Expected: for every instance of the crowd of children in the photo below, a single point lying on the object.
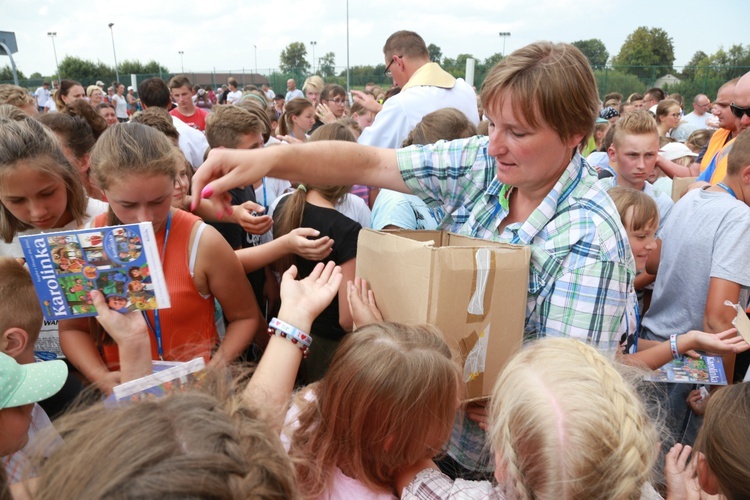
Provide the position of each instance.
(259, 259)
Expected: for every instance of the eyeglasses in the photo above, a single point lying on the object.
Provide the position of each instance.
(738, 111)
(337, 101)
(676, 115)
(387, 71)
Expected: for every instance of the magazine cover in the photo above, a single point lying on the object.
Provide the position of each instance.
(122, 262)
(167, 377)
(704, 370)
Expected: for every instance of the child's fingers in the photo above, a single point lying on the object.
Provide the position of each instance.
(291, 273)
(683, 457)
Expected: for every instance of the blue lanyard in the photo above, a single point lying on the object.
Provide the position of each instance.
(265, 196)
(156, 328)
(727, 189)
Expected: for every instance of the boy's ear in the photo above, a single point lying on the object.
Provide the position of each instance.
(745, 173)
(706, 478)
(14, 341)
(611, 153)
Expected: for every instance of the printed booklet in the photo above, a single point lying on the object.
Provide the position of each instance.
(707, 370)
(122, 262)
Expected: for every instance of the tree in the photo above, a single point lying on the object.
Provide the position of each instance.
(457, 66)
(328, 65)
(6, 74)
(36, 76)
(699, 59)
(594, 50)
(436, 55)
(136, 67)
(292, 59)
(79, 69)
(492, 60)
(643, 49)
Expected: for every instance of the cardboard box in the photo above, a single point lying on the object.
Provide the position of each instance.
(680, 186)
(473, 290)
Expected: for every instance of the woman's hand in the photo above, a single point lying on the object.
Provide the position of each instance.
(717, 343)
(362, 305)
(309, 249)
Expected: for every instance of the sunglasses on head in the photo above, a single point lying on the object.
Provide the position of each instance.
(738, 111)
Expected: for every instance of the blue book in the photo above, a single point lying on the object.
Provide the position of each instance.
(122, 262)
(708, 370)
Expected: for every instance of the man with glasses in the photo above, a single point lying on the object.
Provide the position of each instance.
(425, 87)
(731, 106)
(697, 117)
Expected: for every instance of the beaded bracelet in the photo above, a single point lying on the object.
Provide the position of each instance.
(287, 331)
(673, 346)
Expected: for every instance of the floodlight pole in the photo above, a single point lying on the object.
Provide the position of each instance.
(52, 35)
(504, 35)
(182, 63)
(112, 32)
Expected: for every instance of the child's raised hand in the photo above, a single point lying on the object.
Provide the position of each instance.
(682, 483)
(325, 114)
(248, 216)
(697, 401)
(303, 300)
(314, 250)
(123, 328)
(362, 305)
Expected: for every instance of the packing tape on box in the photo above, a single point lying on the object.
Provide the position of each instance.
(483, 260)
(741, 321)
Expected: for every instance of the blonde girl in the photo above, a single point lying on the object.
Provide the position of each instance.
(388, 400)
(39, 188)
(563, 424)
(298, 118)
(136, 166)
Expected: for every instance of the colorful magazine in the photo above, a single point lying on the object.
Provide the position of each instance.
(704, 370)
(167, 377)
(122, 262)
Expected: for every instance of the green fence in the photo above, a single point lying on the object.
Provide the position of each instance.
(688, 80)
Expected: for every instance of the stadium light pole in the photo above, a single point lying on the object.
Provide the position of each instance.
(256, 63)
(52, 35)
(504, 35)
(313, 43)
(182, 63)
(114, 52)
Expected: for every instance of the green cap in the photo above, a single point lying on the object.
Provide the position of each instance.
(24, 384)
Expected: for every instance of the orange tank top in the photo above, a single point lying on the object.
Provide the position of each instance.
(188, 327)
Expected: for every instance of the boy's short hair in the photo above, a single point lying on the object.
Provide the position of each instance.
(614, 96)
(637, 122)
(154, 92)
(226, 125)
(19, 305)
(739, 156)
(179, 81)
(233, 82)
(405, 44)
(160, 119)
(655, 93)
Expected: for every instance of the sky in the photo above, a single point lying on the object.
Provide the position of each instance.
(230, 35)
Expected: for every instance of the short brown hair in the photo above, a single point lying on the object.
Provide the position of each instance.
(19, 306)
(407, 44)
(226, 125)
(739, 156)
(232, 82)
(330, 91)
(178, 81)
(547, 82)
(159, 119)
(637, 122)
(444, 124)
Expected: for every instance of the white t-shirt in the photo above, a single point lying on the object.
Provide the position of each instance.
(234, 97)
(121, 106)
(13, 249)
(42, 95)
(192, 142)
